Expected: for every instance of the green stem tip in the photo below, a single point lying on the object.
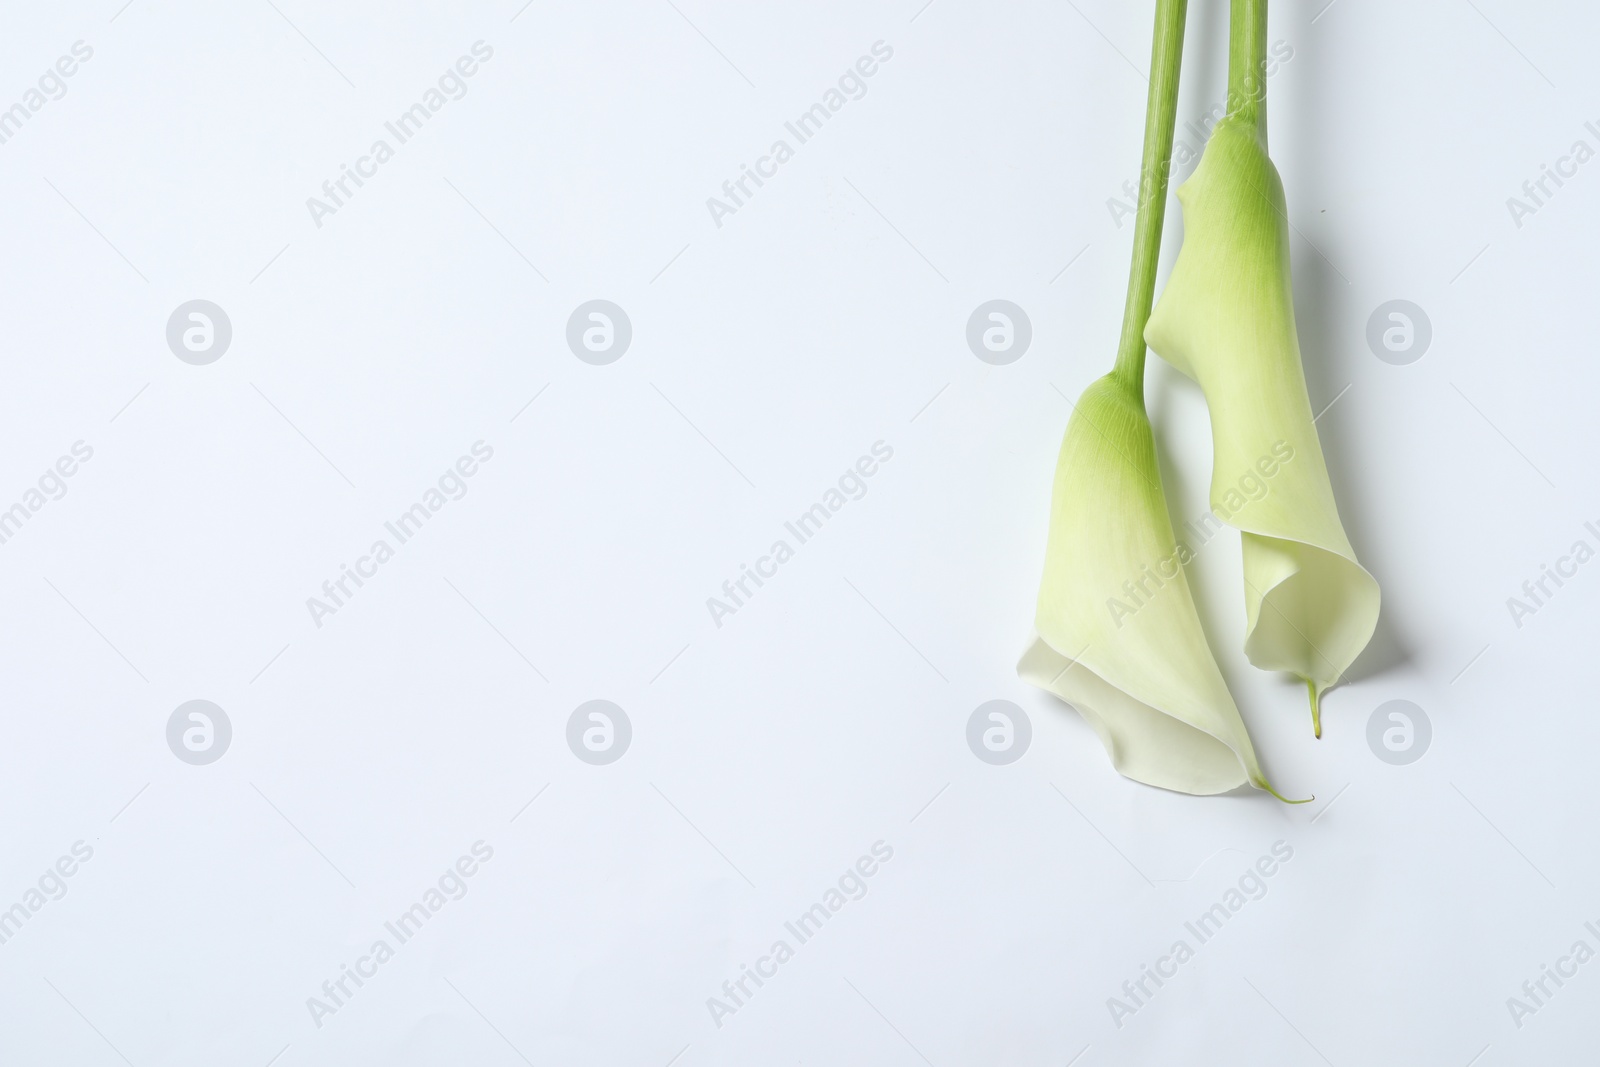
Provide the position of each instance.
(1264, 784)
(1316, 707)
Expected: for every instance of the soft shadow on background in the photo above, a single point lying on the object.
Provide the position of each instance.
(1330, 317)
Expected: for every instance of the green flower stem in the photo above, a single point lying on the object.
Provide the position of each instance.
(1161, 114)
(1247, 54)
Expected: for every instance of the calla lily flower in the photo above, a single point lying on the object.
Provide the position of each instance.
(1226, 319)
(1118, 634)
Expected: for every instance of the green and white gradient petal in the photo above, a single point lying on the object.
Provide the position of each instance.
(1135, 665)
(1226, 319)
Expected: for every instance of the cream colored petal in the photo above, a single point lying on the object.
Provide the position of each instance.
(1226, 318)
(1118, 634)
(1143, 743)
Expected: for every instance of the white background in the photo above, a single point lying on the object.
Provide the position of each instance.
(768, 354)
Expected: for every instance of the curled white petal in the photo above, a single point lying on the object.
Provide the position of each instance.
(1226, 319)
(1118, 634)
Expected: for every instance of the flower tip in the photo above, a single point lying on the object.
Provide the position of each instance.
(1316, 708)
(1264, 784)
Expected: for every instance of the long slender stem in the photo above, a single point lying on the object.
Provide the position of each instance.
(1161, 113)
(1247, 54)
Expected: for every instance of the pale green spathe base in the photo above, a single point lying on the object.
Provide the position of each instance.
(1118, 634)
